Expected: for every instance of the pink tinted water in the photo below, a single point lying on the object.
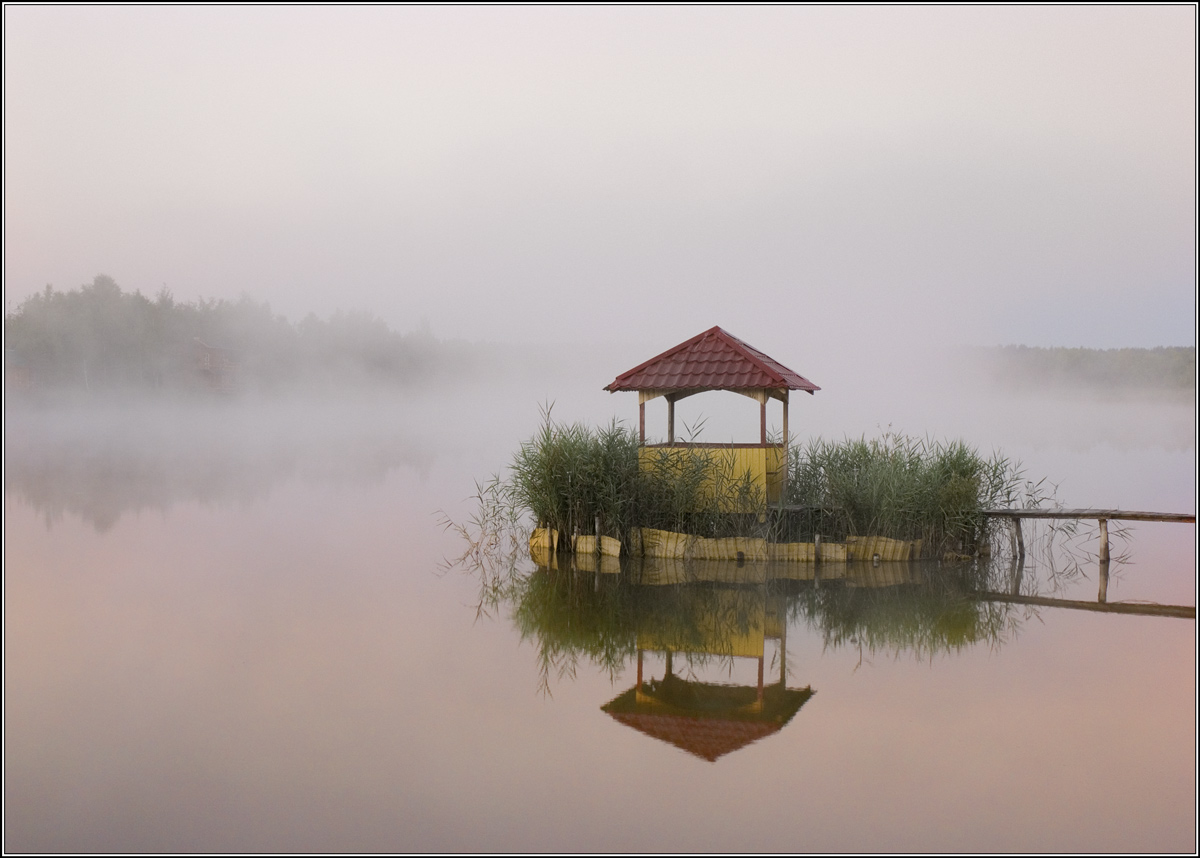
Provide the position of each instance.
(287, 671)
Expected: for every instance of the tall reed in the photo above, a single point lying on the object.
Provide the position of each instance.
(905, 488)
(567, 476)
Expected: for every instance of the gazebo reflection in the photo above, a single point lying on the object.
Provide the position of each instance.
(725, 623)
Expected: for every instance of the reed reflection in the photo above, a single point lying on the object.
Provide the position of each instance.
(687, 626)
(695, 619)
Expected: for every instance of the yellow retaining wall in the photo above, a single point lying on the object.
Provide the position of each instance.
(866, 547)
(729, 548)
(609, 547)
(765, 465)
(793, 552)
(648, 542)
(543, 543)
(835, 551)
(662, 543)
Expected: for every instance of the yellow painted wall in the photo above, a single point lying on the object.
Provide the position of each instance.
(766, 465)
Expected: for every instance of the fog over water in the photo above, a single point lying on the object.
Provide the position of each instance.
(230, 619)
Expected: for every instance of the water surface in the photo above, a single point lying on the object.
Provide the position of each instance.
(232, 629)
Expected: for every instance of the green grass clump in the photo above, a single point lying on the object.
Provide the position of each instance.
(894, 486)
(904, 488)
(568, 475)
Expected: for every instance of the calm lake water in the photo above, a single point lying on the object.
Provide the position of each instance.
(232, 628)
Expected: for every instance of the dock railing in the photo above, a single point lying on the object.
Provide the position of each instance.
(1104, 516)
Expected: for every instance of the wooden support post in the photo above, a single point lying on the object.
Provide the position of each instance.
(639, 679)
(782, 648)
(669, 673)
(762, 411)
(786, 459)
(1102, 596)
(642, 423)
(760, 681)
(670, 421)
(1020, 539)
(817, 548)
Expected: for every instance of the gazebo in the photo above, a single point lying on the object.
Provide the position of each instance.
(717, 360)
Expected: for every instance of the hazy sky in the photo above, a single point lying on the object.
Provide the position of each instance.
(827, 176)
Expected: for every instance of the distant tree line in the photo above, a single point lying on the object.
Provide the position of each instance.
(100, 337)
(1163, 369)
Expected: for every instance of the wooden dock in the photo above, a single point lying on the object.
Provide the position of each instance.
(1100, 514)
(1104, 516)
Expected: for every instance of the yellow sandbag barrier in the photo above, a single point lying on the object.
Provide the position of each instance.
(610, 546)
(792, 552)
(648, 542)
(866, 547)
(833, 552)
(543, 538)
(665, 543)
(729, 548)
(542, 544)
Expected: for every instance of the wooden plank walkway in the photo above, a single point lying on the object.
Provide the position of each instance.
(1099, 514)
(1104, 516)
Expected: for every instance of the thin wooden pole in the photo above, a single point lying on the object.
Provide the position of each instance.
(762, 411)
(786, 457)
(1104, 540)
(670, 421)
(782, 647)
(642, 423)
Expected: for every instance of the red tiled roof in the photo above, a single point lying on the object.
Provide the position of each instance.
(705, 719)
(707, 738)
(713, 360)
